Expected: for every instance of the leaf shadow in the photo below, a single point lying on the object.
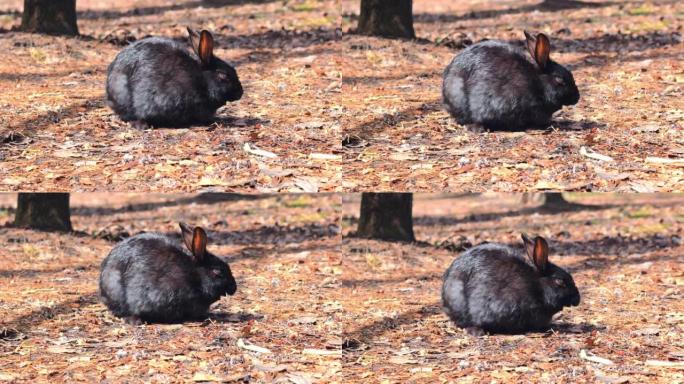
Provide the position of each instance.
(29, 126)
(228, 317)
(427, 220)
(570, 328)
(44, 313)
(29, 273)
(232, 121)
(366, 333)
(545, 6)
(205, 198)
(146, 11)
(567, 125)
(372, 128)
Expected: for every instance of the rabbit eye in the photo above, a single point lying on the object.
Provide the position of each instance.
(222, 76)
(559, 282)
(215, 272)
(558, 80)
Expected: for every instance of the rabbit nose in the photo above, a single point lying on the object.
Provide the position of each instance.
(232, 288)
(574, 98)
(236, 94)
(575, 301)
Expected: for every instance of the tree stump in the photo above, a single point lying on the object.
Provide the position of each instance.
(387, 18)
(386, 216)
(43, 211)
(53, 17)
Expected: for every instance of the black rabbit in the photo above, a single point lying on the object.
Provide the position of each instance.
(494, 288)
(158, 82)
(151, 278)
(496, 85)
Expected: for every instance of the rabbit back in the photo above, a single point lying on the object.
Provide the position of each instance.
(149, 276)
(492, 287)
(494, 84)
(156, 80)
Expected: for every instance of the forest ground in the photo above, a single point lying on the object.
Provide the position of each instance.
(627, 59)
(56, 133)
(625, 252)
(283, 251)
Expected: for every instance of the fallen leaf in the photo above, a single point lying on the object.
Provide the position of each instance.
(324, 156)
(306, 185)
(244, 344)
(403, 156)
(322, 352)
(665, 364)
(299, 379)
(661, 160)
(402, 360)
(593, 358)
(270, 368)
(61, 349)
(253, 150)
(650, 331)
(546, 185)
(587, 152)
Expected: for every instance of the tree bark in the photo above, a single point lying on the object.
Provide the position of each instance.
(386, 216)
(43, 211)
(563, 4)
(54, 17)
(554, 201)
(387, 18)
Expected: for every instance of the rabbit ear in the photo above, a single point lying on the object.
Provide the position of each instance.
(187, 234)
(529, 246)
(194, 39)
(206, 47)
(540, 254)
(531, 43)
(199, 244)
(537, 251)
(541, 50)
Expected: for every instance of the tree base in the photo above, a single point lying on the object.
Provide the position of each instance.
(386, 216)
(43, 211)
(52, 17)
(554, 5)
(387, 18)
(554, 203)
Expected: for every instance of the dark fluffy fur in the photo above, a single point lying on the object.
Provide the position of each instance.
(500, 86)
(159, 82)
(495, 288)
(152, 278)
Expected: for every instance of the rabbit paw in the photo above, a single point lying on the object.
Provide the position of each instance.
(475, 128)
(475, 331)
(140, 124)
(133, 320)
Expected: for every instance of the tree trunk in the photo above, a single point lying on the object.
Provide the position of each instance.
(554, 201)
(54, 17)
(532, 197)
(44, 211)
(387, 18)
(386, 216)
(563, 4)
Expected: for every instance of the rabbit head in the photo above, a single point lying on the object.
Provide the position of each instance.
(558, 287)
(558, 82)
(216, 277)
(223, 83)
